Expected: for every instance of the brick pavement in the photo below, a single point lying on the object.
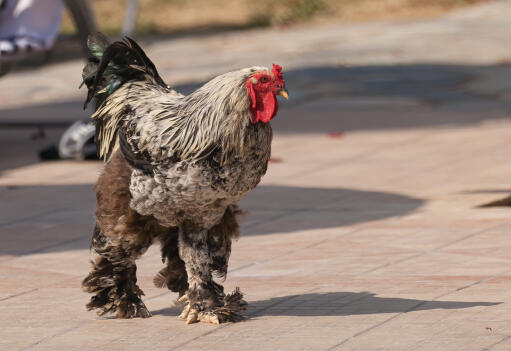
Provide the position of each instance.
(364, 235)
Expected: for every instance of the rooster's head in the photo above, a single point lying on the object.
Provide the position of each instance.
(263, 88)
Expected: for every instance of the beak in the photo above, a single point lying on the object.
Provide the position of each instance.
(283, 93)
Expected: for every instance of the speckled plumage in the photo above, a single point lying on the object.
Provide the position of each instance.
(185, 163)
(195, 192)
(193, 170)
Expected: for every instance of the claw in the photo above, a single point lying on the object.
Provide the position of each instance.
(193, 317)
(209, 318)
(144, 313)
(133, 310)
(183, 298)
(228, 312)
(185, 312)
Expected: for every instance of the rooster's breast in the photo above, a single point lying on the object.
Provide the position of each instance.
(196, 192)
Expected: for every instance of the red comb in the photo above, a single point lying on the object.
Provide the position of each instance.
(277, 71)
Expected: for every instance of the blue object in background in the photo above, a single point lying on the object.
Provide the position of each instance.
(27, 25)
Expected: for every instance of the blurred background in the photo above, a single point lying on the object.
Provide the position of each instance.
(341, 43)
(355, 69)
(171, 16)
(396, 132)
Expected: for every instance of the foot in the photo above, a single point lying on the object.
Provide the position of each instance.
(194, 311)
(133, 309)
(124, 308)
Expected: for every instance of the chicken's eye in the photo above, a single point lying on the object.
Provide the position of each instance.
(264, 79)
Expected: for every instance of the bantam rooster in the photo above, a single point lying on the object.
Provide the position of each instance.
(175, 168)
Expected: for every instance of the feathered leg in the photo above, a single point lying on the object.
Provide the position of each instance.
(204, 253)
(113, 278)
(173, 276)
(121, 236)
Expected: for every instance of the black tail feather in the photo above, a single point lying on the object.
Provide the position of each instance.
(111, 65)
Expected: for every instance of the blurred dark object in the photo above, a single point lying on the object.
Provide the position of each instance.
(84, 20)
(49, 153)
(77, 142)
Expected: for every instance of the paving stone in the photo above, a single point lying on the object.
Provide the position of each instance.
(364, 235)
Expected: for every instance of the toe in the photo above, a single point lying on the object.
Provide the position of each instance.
(186, 311)
(144, 313)
(193, 316)
(183, 298)
(209, 318)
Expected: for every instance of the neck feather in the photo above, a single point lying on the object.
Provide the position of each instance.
(216, 117)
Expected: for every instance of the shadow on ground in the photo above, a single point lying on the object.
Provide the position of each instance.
(345, 90)
(333, 99)
(500, 202)
(340, 304)
(284, 209)
(504, 202)
(38, 219)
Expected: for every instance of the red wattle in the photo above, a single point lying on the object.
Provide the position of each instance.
(265, 108)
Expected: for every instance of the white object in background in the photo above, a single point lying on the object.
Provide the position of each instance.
(29, 25)
(74, 143)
